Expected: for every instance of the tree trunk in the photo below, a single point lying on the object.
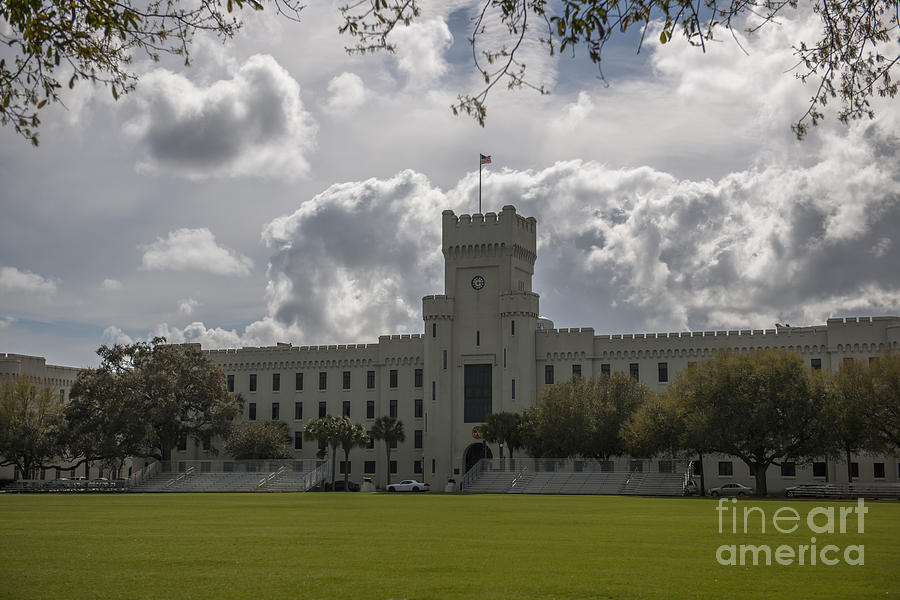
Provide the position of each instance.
(346, 470)
(333, 461)
(702, 475)
(849, 468)
(759, 471)
(387, 467)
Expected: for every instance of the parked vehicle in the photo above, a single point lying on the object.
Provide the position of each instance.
(409, 485)
(339, 486)
(731, 489)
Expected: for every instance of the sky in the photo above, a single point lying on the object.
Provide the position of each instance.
(280, 189)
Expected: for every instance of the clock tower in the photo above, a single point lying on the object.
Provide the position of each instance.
(479, 335)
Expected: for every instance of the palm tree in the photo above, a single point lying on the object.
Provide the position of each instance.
(390, 430)
(503, 428)
(325, 431)
(350, 435)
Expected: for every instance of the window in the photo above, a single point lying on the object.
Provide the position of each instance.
(418, 444)
(604, 369)
(634, 371)
(418, 378)
(298, 440)
(478, 338)
(417, 466)
(726, 468)
(276, 411)
(251, 411)
(323, 410)
(576, 370)
(434, 330)
(548, 374)
(513, 389)
(371, 443)
(345, 467)
(393, 467)
(663, 372)
(298, 411)
(298, 382)
(788, 469)
(369, 466)
(666, 466)
(417, 407)
(393, 444)
(512, 327)
(820, 469)
(393, 409)
(276, 382)
(323, 380)
(504, 358)
(253, 382)
(815, 364)
(370, 409)
(854, 469)
(370, 380)
(477, 393)
(182, 444)
(637, 466)
(346, 380)
(445, 360)
(878, 470)
(231, 383)
(345, 408)
(433, 391)
(393, 378)
(433, 465)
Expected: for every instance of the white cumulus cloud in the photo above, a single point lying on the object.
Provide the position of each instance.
(420, 49)
(113, 335)
(347, 93)
(187, 306)
(194, 250)
(112, 284)
(15, 281)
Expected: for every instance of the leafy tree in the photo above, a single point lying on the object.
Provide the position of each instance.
(351, 435)
(390, 431)
(78, 40)
(502, 428)
(326, 431)
(583, 417)
(852, 58)
(656, 427)
(259, 440)
(885, 373)
(29, 419)
(763, 407)
(156, 393)
(850, 402)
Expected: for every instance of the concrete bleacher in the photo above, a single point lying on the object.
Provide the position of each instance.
(584, 483)
(281, 480)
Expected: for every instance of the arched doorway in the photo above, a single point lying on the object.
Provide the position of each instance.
(476, 452)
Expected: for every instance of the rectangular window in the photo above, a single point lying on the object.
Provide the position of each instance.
(576, 370)
(663, 372)
(418, 378)
(298, 382)
(345, 467)
(371, 443)
(504, 358)
(370, 409)
(477, 338)
(512, 327)
(513, 390)
(477, 393)
(323, 409)
(298, 411)
(251, 411)
(253, 382)
(445, 360)
(345, 408)
(346, 380)
(854, 469)
(393, 444)
(182, 444)
(434, 330)
(788, 469)
(637, 466)
(370, 380)
(369, 466)
(418, 444)
(417, 466)
(878, 470)
(634, 371)
(298, 440)
(393, 467)
(393, 409)
(726, 468)
(276, 382)
(323, 380)
(666, 466)
(276, 411)
(815, 364)
(820, 469)
(393, 378)
(433, 391)
(604, 369)
(231, 383)
(548, 374)
(433, 465)
(417, 407)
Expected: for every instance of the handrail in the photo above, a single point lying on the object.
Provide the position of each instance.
(181, 476)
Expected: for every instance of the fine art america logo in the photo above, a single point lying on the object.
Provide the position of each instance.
(785, 520)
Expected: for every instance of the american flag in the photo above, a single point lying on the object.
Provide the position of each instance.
(485, 160)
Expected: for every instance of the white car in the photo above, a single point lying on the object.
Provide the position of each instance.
(731, 489)
(409, 485)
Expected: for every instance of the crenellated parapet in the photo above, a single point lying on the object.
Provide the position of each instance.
(437, 307)
(490, 235)
(519, 304)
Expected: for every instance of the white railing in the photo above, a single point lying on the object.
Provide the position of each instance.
(316, 476)
(144, 474)
(271, 477)
(181, 477)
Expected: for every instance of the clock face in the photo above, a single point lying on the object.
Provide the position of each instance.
(478, 282)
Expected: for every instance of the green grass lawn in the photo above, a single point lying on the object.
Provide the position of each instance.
(416, 546)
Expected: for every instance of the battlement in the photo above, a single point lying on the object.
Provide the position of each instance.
(566, 330)
(491, 232)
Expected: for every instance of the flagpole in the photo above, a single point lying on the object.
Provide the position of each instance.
(480, 165)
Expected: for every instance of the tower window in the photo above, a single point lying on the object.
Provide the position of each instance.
(445, 359)
(393, 408)
(576, 370)
(393, 378)
(370, 380)
(323, 380)
(276, 382)
(253, 382)
(346, 380)
(604, 369)
(548, 374)
(298, 382)
(663, 372)
(434, 330)
(634, 370)
(418, 378)
(513, 389)
(477, 338)
(512, 327)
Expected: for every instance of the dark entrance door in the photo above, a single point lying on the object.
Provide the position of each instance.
(476, 452)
